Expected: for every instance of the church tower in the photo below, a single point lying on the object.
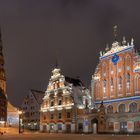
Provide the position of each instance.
(3, 95)
(2, 70)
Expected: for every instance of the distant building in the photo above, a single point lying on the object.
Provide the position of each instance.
(116, 82)
(31, 109)
(64, 105)
(12, 115)
(3, 95)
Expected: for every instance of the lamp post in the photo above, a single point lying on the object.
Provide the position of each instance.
(20, 113)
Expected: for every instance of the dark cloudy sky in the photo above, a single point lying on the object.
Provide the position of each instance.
(33, 31)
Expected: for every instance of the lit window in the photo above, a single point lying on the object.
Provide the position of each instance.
(111, 81)
(128, 78)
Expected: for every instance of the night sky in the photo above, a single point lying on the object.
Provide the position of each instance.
(34, 32)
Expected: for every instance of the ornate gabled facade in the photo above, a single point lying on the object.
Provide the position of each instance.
(64, 104)
(116, 82)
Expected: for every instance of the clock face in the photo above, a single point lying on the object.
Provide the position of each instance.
(115, 58)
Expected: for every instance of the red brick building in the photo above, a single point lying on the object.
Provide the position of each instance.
(116, 82)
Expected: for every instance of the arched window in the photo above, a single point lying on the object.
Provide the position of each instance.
(110, 109)
(137, 83)
(120, 80)
(104, 86)
(104, 69)
(128, 59)
(121, 108)
(111, 81)
(97, 90)
(128, 77)
(133, 107)
(104, 83)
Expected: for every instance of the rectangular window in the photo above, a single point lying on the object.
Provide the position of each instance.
(52, 103)
(52, 116)
(59, 115)
(68, 114)
(60, 102)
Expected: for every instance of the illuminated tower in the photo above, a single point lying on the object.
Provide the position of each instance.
(2, 70)
(3, 97)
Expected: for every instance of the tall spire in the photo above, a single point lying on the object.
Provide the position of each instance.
(0, 43)
(115, 32)
(2, 70)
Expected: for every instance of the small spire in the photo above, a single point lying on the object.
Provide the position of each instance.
(0, 43)
(107, 47)
(132, 41)
(124, 41)
(128, 44)
(115, 32)
(101, 54)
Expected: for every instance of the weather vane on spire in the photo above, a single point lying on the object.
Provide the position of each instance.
(115, 31)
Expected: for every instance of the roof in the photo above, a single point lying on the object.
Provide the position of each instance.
(38, 95)
(74, 81)
(11, 108)
(117, 48)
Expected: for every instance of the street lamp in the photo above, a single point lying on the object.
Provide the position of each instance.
(20, 113)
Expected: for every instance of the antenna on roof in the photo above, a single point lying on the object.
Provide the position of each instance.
(115, 32)
(56, 60)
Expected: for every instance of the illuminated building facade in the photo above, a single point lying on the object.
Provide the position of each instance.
(31, 109)
(3, 97)
(116, 82)
(64, 105)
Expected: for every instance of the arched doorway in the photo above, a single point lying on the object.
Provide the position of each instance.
(94, 124)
